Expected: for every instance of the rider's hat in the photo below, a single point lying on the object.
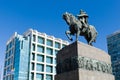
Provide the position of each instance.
(82, 14)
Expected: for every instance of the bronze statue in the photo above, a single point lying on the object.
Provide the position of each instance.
(80, 27)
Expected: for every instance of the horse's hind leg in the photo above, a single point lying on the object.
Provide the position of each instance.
(90, 43)
(93, 38)
(68, 34)
(90, 40)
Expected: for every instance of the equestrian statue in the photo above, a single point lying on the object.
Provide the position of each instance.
(79, 26)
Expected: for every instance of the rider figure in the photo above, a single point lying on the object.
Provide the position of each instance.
(83, 18)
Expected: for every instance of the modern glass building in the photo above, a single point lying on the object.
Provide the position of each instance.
(31, 56)
(113, 43)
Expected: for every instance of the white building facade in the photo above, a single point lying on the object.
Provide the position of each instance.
(34, 56)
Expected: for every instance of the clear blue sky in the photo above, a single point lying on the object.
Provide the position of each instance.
(46, 16)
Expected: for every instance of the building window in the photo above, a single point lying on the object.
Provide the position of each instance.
(10, 52)
(49, 42)
(6, 56)
(8, 61)
(34, 38)
(7, 78)
(10, 45)
(57, 45)
(48, 77)
(22, 44)
(40, 67)
(4, 72)
(39, 77)
(49, 51)
(13, 41)
(49, 69)
(40, 49)
(55, 61)
(56, 51)
(12, 77)
(33, 47)
(12, 59)
(54, 69)
(41, 40)
(40, 58)
(5, 63)
(32, 66)
(33, 56)
(63, 45)
(4, 78)
(7, 47)
(32, 76)
(49, 60)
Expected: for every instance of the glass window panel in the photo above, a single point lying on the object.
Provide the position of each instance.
(34, 38)
(39, 76)
(33, 47)
(49, 51)
(5, 72)
(9, 53)
(22, 44)
(6, 55)
(49, 60)
(40, 58)
(12, 59)
(4, 78)
(57, 45)
(40, 67)
(32, 76)
(10, 44)
(13, 41)
(54, 70)
(63, 45)
(48, 77)
(5, 63)
(41, 40)
(49, 42)
(40, 49)
(12, 50)
(56, 51)
(49, 69)
(7, 47)
(33, 56)
(55, 61)
(7, 78)
(12, 77)
(32, 66)
(8, 61)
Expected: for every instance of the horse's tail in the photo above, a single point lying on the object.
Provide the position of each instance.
(92, 28)
(94, 32)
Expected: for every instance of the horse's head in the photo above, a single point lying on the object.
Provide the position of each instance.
(67, 17)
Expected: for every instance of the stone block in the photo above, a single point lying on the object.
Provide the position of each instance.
(79, 61)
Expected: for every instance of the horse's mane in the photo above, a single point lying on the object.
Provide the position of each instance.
(73, 16)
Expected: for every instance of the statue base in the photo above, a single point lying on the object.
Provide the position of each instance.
(79, 61)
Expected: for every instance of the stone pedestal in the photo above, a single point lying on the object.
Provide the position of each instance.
(79, 61)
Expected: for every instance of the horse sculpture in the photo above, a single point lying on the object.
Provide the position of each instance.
(75, 27)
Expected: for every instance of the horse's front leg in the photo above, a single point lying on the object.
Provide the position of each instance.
(77, 34)
(68, 34)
